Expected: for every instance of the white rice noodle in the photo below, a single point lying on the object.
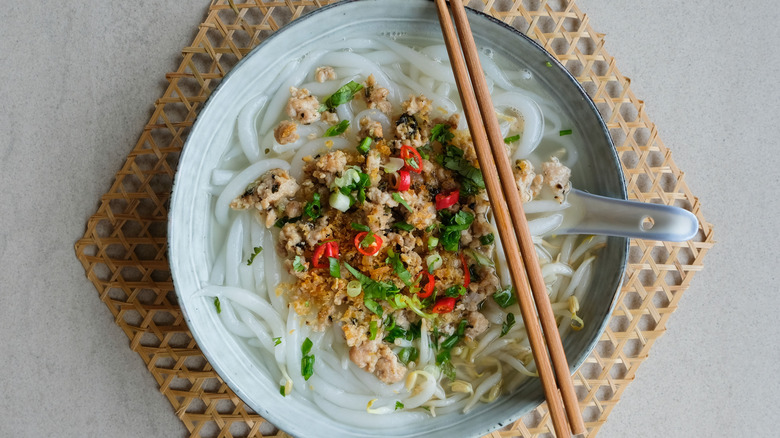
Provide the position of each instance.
(217, 274)
(314, 147)
(246, 125)
(439, 102)
(273, 277)
(436, 69)
(258, 232)
(220, 177)
(295, 73)
(234, 251)
(369, 421)
(259, 329)
(231, 321)
(385, 57)
(238, 184)
(533, 122)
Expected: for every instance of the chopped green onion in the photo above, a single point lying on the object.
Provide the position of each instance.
(372, 329)
(398, 405)
(354, 288)
(281, 390)
(433, 261)
(360, 227)
(307, 361)
(548, 64)
(507, 325)
(480, 258)
(565, 132)
(403, 226)
(339, 201)
(397, 197)
(257, 250)
(512, 139)
(298, 265)
(365, 145)
(487, 239)
(277, 341)
(407, 354)
(335, 268)
(307, 366)
(347, 178)
(432, 242)
(306, 346)
(217, 305)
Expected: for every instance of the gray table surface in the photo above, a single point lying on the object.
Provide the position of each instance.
(78, 81)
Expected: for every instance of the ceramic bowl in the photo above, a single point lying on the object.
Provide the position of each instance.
(597, 171)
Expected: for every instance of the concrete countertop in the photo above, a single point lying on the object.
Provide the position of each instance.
(78, 83)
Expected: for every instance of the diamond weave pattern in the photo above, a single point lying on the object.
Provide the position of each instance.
(123, 250)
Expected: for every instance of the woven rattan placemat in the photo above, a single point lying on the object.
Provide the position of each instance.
(124, 248)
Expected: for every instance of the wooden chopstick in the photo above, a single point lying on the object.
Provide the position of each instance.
(478, 108)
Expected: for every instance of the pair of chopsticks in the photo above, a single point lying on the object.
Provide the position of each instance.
(507, 208)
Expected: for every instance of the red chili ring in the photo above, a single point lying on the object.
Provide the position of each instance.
(403, 181)
(444, 305)
(444, 201)
(371, 249)
(409, 153)
(426, 290)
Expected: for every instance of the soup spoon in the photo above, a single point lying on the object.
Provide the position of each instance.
(593, 214)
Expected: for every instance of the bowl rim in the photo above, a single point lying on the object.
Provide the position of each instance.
(302, 21)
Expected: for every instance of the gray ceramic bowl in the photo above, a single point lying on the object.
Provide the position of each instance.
(598, 171)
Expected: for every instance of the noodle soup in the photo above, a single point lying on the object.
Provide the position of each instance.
(352, 255)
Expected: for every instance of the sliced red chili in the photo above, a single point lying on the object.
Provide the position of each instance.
(426, 290)
(444, 305)
(367, 248)
(466, 274)
(412, 159)
(322, 252)
(443, 201)
(403, 181)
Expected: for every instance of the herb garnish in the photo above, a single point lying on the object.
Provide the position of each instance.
(452, 225)
(337, 129)
(507, 325)
(257, 250)
(397, 197)
(505, 297)
(394, 260)
(313, 208)
(342, 95)
(217, 305)
(373, 290)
